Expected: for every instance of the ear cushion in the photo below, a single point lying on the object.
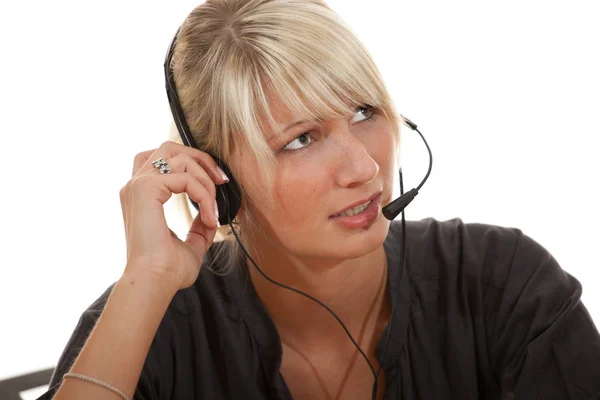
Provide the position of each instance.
(229, 196)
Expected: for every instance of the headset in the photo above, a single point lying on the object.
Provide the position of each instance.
(228, 196)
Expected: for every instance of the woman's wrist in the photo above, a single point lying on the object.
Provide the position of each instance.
(158, 284)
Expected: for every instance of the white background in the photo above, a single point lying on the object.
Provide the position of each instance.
(507, 95)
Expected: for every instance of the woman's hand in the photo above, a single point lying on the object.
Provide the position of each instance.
(153, 250)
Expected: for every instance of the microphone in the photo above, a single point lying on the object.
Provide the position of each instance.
(392, 210)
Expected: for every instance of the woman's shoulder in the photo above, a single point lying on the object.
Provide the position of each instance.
(456, 232)
(492, 253)
(503, 293)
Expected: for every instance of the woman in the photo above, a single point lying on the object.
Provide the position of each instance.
(285, 103)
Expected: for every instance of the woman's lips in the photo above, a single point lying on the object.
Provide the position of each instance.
(358, 203)
(362, 219)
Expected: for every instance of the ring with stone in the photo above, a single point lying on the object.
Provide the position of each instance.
(162, 166)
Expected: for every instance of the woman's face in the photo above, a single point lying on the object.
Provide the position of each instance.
(324, 167)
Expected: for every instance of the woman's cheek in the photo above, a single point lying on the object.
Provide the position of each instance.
(297, 191)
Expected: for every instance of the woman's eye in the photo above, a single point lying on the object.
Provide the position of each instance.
(299, 143)
(363, 113)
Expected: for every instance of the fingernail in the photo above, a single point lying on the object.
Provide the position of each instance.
(225, 178)
(217, 212)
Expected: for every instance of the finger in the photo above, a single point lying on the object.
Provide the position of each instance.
(169, 149)
(161, 187)
(140, 159)
(182, 163)
(200, 237)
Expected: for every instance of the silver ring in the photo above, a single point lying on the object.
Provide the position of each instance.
(162, 166)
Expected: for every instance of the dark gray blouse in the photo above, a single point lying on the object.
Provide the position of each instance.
(481, 312)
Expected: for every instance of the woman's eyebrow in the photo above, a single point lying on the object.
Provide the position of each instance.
(293, 124)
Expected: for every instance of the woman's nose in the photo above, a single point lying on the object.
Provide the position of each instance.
(355, 166)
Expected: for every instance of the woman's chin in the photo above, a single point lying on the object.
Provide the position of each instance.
(359, 242)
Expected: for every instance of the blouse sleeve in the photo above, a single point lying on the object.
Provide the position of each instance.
(145, 389)
(544, 344)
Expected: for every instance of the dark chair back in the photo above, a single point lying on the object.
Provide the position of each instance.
(11, 388)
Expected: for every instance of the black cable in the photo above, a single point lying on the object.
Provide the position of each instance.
(398, 276)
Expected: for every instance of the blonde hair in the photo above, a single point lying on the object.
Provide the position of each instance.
(234, 56)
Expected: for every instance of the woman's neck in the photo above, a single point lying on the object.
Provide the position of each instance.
(354, 289)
